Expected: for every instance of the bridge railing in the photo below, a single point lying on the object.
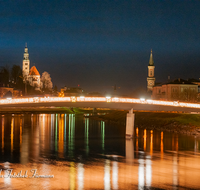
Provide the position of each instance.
(96, 99)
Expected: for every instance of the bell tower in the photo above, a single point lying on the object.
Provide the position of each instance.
(151, 79)
(25, 64)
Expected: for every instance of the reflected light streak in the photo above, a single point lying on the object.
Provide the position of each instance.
(20, 133)
(141, 174)
(56, 134)
(42, 131)
(175, 171)
(87, 135)
(103, 134)
(65, 133)
(148, 171)
(61, 134)
(12, 134)
(115, 175)
(151, 143)
(71, 134)
(72, 176)
(145, 138)
(137, 141)
(80, 176)
(196, 145)
(161, 145)
(177, 143)
(137, 132)
(107, 175)
(2, 134)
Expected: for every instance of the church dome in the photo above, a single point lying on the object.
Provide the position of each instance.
(34, 71)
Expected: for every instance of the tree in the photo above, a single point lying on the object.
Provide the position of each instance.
(16, 73)
(4, 75)
(46, 81)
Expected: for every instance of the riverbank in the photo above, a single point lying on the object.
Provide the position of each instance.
(49, 110)
(172, 122)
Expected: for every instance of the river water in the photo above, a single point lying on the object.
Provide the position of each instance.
(68, 151)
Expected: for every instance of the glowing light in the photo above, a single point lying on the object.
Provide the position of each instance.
(96, 99)
(73, 98)
(142, 99)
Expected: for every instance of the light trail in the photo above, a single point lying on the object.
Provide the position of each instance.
(96, 99)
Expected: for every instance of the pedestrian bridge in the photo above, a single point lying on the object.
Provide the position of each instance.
(102, 102)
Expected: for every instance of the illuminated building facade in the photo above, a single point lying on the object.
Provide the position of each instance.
(178, 89)
(30, 75)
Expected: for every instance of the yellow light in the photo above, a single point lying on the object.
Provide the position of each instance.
(96, 99)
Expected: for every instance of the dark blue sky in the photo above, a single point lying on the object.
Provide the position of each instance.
(97, 43)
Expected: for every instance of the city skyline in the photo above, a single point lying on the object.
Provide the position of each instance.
(104, 43)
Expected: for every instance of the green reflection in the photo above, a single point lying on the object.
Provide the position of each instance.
(65, 134)
(87, 135)
(103, 134)
(71, 134)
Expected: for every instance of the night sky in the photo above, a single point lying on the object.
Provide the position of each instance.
(98, 44)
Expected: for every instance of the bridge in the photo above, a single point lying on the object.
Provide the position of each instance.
(104, 102)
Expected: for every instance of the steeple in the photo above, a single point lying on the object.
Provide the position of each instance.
(150, 79)
(151, 63)
(26, 63)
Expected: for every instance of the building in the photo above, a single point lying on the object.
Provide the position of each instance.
(151, 79)
(71, 92)
(6, 92)
(177, 90)
(32, 76)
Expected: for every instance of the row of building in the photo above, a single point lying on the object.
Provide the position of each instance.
(177, 90)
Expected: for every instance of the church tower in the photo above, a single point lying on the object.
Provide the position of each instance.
(150, 78)
(25, 64)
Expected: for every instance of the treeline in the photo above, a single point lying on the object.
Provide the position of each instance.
(13, 78)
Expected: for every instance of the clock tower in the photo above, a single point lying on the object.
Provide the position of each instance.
(150, 78)
(25, 64)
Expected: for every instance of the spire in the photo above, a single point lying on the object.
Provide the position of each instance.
(25, 49)
(151, 63)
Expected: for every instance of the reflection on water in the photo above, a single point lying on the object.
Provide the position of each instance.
(86, 154)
